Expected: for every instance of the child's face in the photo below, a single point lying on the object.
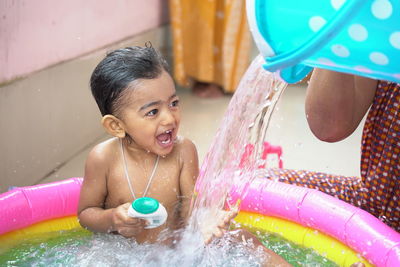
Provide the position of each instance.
(152, 115)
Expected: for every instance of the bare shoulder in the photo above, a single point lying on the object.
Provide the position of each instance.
(94, 187)
(102, 153)
(185, 147)
(186, 151)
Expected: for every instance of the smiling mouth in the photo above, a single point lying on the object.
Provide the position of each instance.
(165, 139)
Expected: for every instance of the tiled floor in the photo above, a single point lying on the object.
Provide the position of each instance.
(288, 128)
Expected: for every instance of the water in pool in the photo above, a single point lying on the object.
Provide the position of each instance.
(224, 169)
(82, 248)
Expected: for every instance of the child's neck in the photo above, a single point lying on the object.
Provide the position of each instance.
(136, 152)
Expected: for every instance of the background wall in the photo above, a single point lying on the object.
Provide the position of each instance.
(40, 33)
(48, 115)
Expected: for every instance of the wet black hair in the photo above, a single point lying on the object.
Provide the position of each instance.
(113, 75)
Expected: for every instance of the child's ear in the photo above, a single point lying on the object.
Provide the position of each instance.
(113, 126)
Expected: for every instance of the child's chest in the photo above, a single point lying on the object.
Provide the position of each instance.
(163, 185)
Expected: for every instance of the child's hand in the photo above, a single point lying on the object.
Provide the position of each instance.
(219, 228)
(125, 225)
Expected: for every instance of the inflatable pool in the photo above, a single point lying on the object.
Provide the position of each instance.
(337, 230)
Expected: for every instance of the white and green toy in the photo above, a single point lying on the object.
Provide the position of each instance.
(149, 209)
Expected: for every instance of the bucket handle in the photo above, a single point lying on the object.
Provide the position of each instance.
(294, 56)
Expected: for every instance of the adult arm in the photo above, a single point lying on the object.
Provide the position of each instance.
(336, 103)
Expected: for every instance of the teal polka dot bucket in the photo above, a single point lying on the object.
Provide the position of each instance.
(360, 37)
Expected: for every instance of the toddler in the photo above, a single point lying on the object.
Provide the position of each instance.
(145, 157)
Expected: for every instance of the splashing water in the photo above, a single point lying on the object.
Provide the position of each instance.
(230, 164)
(81, 248)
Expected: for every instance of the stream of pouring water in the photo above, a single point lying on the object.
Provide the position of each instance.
(227, 166)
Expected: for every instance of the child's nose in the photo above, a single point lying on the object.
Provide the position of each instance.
(168, 117)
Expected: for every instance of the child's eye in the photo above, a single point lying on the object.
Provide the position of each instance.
(152, 112)
(174, 103)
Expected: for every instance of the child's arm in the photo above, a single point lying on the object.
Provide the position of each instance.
(91, 212)
(336, 103)
(220, 225)
(188, 176)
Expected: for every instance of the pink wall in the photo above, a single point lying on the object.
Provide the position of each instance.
(40, 33)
